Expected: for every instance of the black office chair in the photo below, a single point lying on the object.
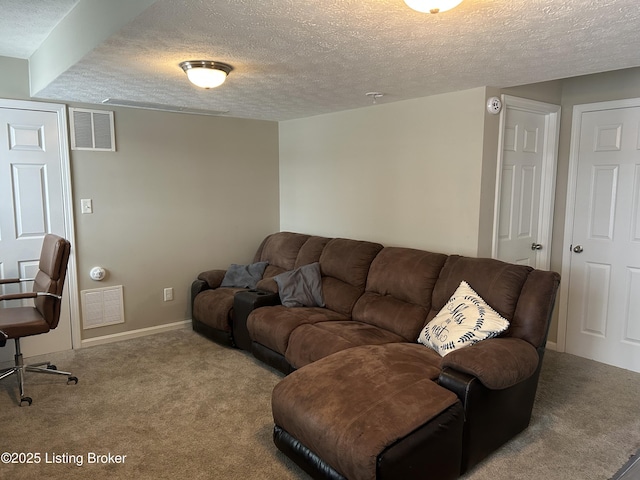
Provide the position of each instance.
(19, 322)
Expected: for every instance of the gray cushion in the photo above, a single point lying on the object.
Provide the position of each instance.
(301, 287)
(244, 276)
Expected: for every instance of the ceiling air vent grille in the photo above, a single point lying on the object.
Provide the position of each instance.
(92, 130)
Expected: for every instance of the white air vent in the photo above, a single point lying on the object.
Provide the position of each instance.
(102, 306)
(92, 130)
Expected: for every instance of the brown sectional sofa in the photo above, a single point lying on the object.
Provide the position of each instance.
(362, 398)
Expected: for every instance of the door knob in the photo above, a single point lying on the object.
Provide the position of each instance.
(578, 249)
(536, 246)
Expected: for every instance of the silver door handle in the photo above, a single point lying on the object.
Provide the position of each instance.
(578, 249)
(536, 246)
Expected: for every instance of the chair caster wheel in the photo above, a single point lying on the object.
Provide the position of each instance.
(72, 379)
(26, 399)
(51, 367)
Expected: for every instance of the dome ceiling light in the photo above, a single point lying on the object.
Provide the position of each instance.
(206, 73)
(432, 6)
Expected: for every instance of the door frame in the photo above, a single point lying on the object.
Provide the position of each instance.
(63, 137)
(548, 174)
(576, 128)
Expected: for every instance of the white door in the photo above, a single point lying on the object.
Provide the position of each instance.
(603, 312)
(526, 175)
(32, 204)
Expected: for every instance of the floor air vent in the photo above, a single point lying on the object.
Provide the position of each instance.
(92, 130)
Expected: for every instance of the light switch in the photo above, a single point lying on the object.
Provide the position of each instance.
(86, 205)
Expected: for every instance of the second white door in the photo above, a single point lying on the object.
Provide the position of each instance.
(603, 256)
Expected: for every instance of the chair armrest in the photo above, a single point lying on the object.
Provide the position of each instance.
(213, 278)
(4, 281)
(18, 296)
(498, 362)
(3, 338)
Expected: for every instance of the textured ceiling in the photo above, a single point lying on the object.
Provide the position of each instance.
(25, 24)
(295, 58)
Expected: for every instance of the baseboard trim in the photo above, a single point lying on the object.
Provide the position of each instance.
(117, 337)
(552, 346)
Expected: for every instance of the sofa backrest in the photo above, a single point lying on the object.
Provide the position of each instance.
(535, 307)
(344, 265)
(307, 252)
(399, 290)
(311, 250)
(519, 293)
(280, 250)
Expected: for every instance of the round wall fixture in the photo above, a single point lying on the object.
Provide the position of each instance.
(494, 105)
(98, 273)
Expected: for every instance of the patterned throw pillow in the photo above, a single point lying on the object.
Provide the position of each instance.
(464, 320)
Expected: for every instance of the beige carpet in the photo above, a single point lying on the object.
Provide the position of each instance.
(182, 407)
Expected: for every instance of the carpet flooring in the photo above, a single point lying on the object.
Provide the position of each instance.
(178, 406)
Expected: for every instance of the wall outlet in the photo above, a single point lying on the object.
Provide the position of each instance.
(168, 294)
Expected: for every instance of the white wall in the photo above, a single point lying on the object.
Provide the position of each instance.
(405, 173)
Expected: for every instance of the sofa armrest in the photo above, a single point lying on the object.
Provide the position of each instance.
(267, 285)
(498, 362)
(213, 278)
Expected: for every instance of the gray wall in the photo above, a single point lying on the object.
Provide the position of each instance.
(182, 194)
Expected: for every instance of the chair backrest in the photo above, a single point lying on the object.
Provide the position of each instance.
(52, 271)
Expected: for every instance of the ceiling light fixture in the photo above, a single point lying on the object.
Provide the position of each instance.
(432, 6)
(206, 73)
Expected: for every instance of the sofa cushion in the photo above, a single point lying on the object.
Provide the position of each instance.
(272, 326)
(301, 287)
(399, 289)
(464, 320)
(345, 264)
(312, 342)
(243, 276)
